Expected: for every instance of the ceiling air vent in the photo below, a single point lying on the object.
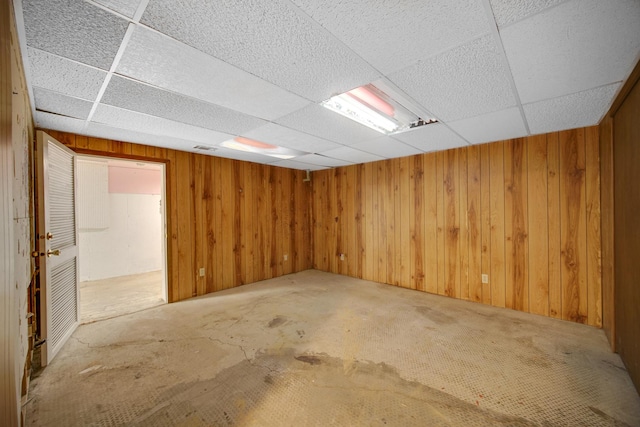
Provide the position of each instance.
(205, 148)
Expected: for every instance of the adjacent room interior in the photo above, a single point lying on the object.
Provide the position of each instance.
(121, 231)
(320, 213)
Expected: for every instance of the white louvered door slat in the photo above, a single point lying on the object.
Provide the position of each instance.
(57, 243)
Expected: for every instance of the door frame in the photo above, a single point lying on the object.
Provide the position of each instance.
(163, 197)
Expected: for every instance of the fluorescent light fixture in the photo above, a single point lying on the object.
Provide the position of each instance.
(252, 146)
(371, 106)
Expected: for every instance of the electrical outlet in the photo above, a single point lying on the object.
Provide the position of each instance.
(485, 278)
(286, 257)
(341, 257)
(202, 272)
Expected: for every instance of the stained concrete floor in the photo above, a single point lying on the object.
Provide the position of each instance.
(107, 298)
(319, 349)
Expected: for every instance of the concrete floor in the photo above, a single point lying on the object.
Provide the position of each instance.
(107, 298)
(319, 349)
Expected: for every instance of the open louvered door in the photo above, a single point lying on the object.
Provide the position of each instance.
(57, 243)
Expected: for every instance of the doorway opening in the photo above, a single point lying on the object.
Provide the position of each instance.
(122, 236)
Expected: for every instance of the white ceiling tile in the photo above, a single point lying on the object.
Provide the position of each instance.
(100, 130)
(74, 29)
(463, 82)
(351, 155)
(576, 46)
(124, 7)
(51, 121)
(387, 148)
(131, 95)
(317, 120)
(131, 120)
(319, 160)
(570, 111)
(496, 126)
(53, 102)
(169, 64)
(62, 75)
(508, 11)
(432, 137)
(392, 36)
(285, 137)
(292, 164)
(270, 39)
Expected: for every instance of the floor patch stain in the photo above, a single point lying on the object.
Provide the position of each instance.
(311, 360)
(435, 315)
(277, 321)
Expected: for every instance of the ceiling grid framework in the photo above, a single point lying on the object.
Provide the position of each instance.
(199, 73)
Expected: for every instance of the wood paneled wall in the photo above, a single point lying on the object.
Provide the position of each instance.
(626, 159)
(237, 220)
(526, 212)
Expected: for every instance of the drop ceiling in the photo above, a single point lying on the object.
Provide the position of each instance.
(181, 74)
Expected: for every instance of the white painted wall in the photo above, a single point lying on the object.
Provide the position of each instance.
(132, 242)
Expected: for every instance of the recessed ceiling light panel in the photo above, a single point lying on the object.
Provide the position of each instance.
(376, 109)
(252, 146)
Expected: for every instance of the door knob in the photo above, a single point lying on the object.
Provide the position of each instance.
(50, 252)
(49, 236)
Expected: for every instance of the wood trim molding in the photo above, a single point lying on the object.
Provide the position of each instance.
(634, 77)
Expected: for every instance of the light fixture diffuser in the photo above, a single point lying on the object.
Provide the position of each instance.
(252, 146)
(376, 109)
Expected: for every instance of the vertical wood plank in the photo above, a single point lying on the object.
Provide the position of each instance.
(516, 244)
(404, 226)
(431, 234)
(286, 200)
(306, 241)
(416, 221)
(553, 214)
(390, 196)
(440, 218)
(219, 237)
(573, 223)
(343, 221)
(464, 223)
(262, 219)
(238, 222)
(594, 243)
(295, 220)
(200, 247)
(394, 231)
(370, 254)
(248, 235)
(227, 211)
(382, 222)
(451, 224)
(319, 220)
(351, 225)
(185, 240)
(173, 290)
(360, 245)
(496, 184)
(538, 225)
(485, 219)
(272, 229)
(474, 220)
(209, 225)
